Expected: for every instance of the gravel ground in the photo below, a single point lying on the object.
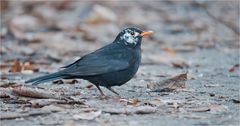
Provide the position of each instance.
(198, 39)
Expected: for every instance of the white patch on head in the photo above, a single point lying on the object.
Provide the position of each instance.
(130, 39)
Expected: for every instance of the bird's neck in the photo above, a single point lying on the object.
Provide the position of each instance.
(126, 44)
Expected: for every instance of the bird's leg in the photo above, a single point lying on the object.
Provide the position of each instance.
(100, 90)
(109, 88)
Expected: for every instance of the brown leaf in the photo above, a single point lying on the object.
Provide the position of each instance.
(180, 64)
(27, 67)
(16, 67)
(171, 84)
(33, 93)
(37, 103)
(30, 66)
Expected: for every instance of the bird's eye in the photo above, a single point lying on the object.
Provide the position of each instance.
(132, 33)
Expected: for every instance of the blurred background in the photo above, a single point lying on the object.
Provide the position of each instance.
(56, 31)
(197, 36)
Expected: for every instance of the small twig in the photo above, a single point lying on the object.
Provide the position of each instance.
(44, 102)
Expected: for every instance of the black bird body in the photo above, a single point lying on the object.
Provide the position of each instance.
(129, 60)
(111, 65)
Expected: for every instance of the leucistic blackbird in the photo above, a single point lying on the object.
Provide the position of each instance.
(112, 65)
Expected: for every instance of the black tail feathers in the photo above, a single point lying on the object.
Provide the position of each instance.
(45, 78)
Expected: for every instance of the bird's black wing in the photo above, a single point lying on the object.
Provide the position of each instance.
(100, 62)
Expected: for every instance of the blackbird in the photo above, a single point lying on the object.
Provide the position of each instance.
(111, 65)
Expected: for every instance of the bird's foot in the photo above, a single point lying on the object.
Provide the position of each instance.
(110, 89)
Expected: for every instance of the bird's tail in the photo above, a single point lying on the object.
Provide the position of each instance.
(45, 78)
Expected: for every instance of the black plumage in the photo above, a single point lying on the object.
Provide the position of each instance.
(111, 65)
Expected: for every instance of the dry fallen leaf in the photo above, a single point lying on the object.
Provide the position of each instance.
(30, 66)
(27, 67)
(33, 93)
(171, 84)
(16, 67)
(87, 115)
(37, 103)
(180, 64)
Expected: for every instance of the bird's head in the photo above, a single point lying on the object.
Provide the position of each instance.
(132, 36)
